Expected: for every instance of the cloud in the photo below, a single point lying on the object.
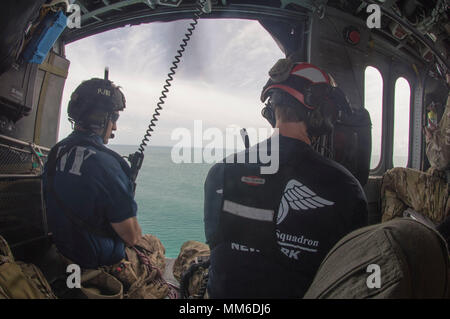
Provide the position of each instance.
(219, 79)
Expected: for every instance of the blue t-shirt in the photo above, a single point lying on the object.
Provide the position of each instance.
(94, 186)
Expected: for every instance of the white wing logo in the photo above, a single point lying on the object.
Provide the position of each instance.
(299, 197)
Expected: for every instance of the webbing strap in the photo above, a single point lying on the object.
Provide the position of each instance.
(447, 176)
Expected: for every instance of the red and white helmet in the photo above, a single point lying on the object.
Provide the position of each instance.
(312, 87)
(294, 79)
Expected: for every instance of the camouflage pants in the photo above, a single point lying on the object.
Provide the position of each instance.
(191, 269)
(426, 193)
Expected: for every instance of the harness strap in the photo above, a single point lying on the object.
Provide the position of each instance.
(447, 176)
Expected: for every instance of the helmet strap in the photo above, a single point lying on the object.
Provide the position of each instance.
(105, 126)
(94, 129)
(72, 123)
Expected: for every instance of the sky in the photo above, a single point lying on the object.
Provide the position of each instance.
(219, 80)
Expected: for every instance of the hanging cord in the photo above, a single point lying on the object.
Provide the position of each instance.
(169, 79)
(137, 158)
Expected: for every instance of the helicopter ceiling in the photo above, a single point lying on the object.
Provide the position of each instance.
(102, 15)
(420, 26)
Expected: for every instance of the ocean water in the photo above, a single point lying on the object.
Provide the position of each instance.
(169, 197)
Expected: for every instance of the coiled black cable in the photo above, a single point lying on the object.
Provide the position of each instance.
(187, 37)
(136, 159)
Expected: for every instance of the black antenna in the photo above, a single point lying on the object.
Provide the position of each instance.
(106, 73)
(245, 137)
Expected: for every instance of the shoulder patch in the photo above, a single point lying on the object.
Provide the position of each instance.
(253, 180)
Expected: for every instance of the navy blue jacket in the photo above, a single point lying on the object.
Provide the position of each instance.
(93, 184)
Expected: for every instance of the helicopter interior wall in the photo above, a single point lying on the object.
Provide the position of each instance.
(328, 49)
(22, 215)
(347, 63)
(14, 18)
(22, 212)
(41, 125)
(45, 87)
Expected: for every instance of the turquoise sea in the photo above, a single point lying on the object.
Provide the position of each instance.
(169, 197)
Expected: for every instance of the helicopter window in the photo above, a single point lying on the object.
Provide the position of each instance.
(224, 67)
(217, 85)
(401, 122)
(373, 100)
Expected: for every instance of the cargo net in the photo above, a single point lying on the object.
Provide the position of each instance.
(20, 158)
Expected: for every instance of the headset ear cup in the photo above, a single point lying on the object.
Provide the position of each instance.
(318, 123)
(315, 93)
(268, 113)
(315, 121)
(308, 96)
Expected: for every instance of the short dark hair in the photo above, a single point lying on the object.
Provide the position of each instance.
(287, 108)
